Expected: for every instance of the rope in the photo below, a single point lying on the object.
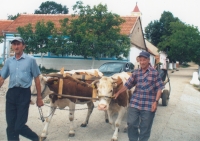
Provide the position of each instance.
(41, 113)
(70, 109)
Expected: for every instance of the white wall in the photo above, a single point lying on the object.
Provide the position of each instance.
(134, 52)
(152, 60)
(69, 64)
(163, 60)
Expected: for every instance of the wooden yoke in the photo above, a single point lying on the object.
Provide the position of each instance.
(94, 93)
(60, 88)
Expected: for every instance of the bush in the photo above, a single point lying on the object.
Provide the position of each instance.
(46, 71)
(185, 65)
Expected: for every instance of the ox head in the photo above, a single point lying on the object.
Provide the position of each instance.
(44, 88)
(105, 91)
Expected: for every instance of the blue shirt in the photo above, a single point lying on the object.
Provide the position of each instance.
(21, 71)
(147, 85)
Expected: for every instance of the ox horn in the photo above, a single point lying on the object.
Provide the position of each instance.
(94, 84)
(117, 81)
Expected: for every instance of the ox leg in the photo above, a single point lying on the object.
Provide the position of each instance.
(110, 117)
(71, 119)
(106, 117)
(47, 122)
(90, 109)
(118, 123)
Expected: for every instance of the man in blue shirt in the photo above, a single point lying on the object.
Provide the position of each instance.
(21, 68)
(143, 103)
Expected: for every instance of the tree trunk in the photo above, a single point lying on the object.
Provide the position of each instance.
(41, 65)
(93, 59)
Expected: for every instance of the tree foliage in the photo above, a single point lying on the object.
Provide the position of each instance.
(183, 43)
(179, 40)
(51, 7)
(1, 39)
(37, 38)
(156, 29)
(13, 17)
(92, 33)
(96, 32)
(60, 40)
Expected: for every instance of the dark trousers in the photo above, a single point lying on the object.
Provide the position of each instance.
(139, 124)
(17, 107)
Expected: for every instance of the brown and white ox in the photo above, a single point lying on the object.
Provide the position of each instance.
(71, 86)
(106, 87)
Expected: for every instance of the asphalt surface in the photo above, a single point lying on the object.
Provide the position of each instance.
(179, 121)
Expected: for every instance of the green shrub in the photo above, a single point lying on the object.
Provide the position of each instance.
(185, 65)
(46, 71)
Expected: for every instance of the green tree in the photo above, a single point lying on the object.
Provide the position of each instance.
(183, 43)
(51, 7)
(37, 38)
(13, 17)
(1, 39)
(60, 43)
(156, 29)
(96, 32)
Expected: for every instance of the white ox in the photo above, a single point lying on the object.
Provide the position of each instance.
(106, 87)
(62, 103)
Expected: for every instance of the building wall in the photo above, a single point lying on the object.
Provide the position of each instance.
(152, 60)
(136, 36)
(134, 52)
(70, 63)
(163, 60)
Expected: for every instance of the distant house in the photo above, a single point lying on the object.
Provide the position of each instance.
(131, 27)
(3, 25)
(157, 56)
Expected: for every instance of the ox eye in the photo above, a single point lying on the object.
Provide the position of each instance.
(111, 91)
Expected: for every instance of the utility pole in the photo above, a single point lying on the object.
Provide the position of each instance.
(4, 48)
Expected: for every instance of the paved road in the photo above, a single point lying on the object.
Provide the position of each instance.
(179, 121)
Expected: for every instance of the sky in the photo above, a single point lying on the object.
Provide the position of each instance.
(187, 11)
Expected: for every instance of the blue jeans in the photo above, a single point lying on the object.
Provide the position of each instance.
(17, 107)
(139, 124)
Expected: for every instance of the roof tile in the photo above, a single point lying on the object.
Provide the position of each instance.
(25, 19)
(3, 25)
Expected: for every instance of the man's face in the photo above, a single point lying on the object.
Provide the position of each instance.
(144, 62)
(18, 47)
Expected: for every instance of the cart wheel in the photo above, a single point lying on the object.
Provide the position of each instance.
(165, 97)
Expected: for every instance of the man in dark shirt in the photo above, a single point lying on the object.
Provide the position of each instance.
(143, 103)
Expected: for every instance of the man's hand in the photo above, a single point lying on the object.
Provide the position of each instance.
(119, 92)
(1, 81)
(39, 102)
(116, 95)
(154, 107)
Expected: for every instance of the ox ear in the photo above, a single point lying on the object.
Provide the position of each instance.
(43, 77)
(96, 73)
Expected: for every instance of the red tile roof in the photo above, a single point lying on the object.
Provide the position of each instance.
(136, 9)
(25, 19)
(128, 25)
(3, 25)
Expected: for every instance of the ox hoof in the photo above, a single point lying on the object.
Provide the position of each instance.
(71, 134)
(107, 121)
(42, 138)
(113, 139)
(83, 125)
